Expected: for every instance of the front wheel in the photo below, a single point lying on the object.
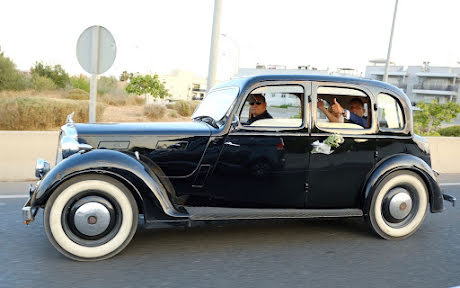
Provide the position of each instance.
(91, 217)
(398, 205)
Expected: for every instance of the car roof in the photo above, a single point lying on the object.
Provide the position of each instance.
(245, 82)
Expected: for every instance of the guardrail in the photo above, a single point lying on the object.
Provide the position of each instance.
(19, 151)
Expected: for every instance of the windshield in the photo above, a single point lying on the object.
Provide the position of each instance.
(216, 103)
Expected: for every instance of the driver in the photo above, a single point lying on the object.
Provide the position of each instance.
(258, 109)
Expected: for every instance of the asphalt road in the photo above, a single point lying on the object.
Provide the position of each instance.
(307, 253)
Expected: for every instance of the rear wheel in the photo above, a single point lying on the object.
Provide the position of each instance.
(91, 217)
(398, 205)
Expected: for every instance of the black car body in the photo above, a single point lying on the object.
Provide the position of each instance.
(218, 168)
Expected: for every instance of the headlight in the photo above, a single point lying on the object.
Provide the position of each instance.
(41, 168)
(68, 141)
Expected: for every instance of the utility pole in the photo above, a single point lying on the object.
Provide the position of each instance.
(387, 64)
(212, 70)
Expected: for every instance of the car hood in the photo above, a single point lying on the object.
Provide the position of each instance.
(134, 129)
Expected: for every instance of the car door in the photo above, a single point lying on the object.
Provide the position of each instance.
(264, 164)
(335, 177)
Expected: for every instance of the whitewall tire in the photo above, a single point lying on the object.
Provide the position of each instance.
(398, 205)
(91, 217)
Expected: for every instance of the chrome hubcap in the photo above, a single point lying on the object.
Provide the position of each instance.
(92, 218)
(400, 205)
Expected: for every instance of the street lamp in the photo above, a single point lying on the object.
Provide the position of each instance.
(237, 58)
(212, 69)
(387, 64)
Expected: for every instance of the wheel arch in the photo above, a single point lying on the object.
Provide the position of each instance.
(400, 162)
(150, 191)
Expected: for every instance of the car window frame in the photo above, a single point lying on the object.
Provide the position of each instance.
(405, 109)
(315, 129)
(303, 128)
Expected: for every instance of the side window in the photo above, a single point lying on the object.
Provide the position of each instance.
(389, 112)
(354, 105)
(273, 106)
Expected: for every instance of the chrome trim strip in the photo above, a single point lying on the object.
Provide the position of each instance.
(274, 133)
(221, 213)
(364, 136)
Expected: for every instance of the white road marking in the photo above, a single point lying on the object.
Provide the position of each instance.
(450, 184)
(13, 196)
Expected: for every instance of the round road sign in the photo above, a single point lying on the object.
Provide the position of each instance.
(96, 50)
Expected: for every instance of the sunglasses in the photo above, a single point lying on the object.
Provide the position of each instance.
(252, 103)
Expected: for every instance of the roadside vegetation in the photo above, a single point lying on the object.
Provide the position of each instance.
(41, 98)
(427, 121)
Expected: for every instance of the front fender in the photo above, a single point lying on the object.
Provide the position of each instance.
(404, 162)
(106, 161)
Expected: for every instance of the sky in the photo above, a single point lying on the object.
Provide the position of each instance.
(161, 36)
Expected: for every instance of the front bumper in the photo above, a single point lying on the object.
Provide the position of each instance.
(449, 198)
(28, 210)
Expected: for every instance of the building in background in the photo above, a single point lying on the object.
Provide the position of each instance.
(184, 85)
(420, 83)
(280, 69)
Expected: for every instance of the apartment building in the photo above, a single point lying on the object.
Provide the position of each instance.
(184, 85)
(421, 83)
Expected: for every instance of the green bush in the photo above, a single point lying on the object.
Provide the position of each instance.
(77, 94)
(453, 131)
(10, 78)
(40, 83)
(80, 82)
(56, 73)
(154, 111)
(39, 113)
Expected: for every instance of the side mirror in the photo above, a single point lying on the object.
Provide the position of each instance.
(235, 122)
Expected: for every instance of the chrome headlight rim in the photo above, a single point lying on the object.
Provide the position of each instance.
(68, 142)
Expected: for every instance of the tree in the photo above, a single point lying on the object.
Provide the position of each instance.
(55, 73)
(125, 76)
(147, 84)
(429, 118)
(10, 77)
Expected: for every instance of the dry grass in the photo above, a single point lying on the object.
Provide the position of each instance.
(185, 108)
(47, 110)
(77, 94)
(60, 94)
(116, 114)
(154, 111)
(38, 113)
(121, 99)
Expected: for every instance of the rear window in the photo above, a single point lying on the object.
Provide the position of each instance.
(390, 114)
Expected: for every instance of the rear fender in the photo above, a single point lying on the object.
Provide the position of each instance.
(403, 162)
(125, 167)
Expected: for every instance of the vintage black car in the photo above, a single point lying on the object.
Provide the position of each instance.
(297, 163)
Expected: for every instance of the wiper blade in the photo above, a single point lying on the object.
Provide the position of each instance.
(207, 119)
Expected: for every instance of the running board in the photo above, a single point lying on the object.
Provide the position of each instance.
(218, 213)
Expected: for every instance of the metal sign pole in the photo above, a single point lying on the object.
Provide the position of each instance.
(93, 83)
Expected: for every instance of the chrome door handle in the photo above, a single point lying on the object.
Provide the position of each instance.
(361, 140)
(231, 144)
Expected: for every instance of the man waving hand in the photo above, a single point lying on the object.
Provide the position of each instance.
(355, 114)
